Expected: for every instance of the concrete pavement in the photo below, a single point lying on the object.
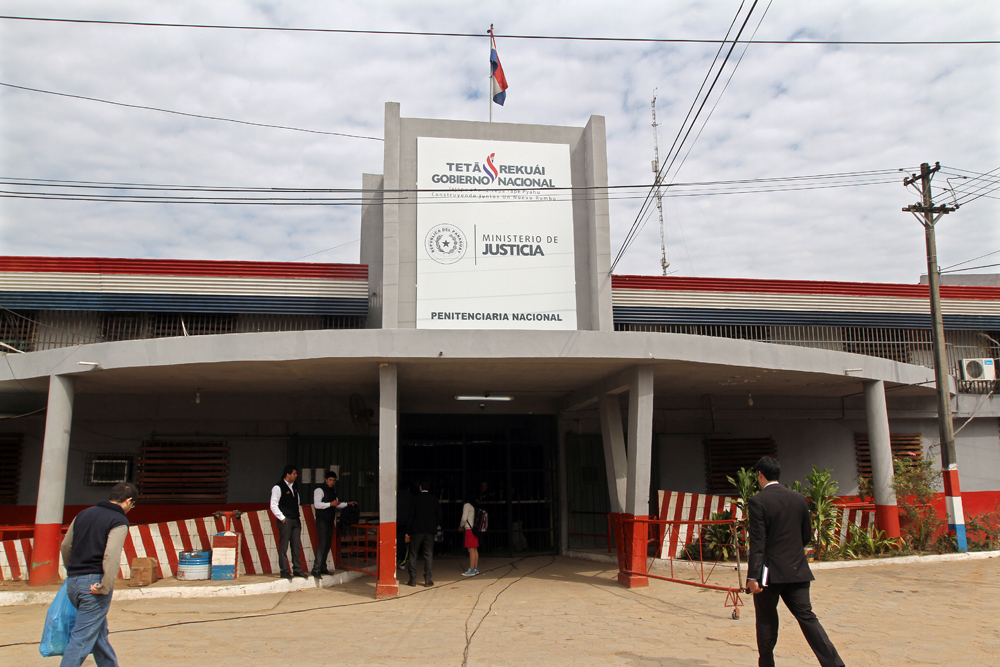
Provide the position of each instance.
(552, 611)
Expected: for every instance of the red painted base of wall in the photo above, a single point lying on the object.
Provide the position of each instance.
(44, 564)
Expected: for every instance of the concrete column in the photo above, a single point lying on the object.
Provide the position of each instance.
(563, 493)
(886, 512)
(390, 220)
(640, 450)
(640, 440)
(372, 240)
(388, 432)
(598, 283)
(614, 450)
(52, 482)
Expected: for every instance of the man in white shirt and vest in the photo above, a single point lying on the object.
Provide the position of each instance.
(326, 503)
(285, 508)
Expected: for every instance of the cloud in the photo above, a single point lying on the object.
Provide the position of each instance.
(790, 110)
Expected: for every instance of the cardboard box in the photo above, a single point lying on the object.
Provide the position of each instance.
(143, 571)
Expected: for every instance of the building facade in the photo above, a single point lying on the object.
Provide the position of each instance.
(481, 346)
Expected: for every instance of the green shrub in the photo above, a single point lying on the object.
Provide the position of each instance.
(983, 530)
(714, 542)
(866, 543)
(915, 482)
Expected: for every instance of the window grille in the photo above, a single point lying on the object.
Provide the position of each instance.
(186, 471)
(10, 467)
(904, 445)
(725, 457)
(29, 331)
(16, 331)
(108, 469)
(911, 346)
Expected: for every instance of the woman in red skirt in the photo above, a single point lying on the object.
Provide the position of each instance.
(471, 541)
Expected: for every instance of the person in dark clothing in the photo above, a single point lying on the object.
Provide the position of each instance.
(780, 528)
(404, 500)
(326, 503)
(285, 508)
(421, 526)
(92, 553)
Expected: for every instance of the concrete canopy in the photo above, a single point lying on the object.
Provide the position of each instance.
(544, 371)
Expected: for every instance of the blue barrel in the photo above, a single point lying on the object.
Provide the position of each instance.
(194, 565)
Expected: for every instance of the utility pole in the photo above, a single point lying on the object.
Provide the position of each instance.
(928, 214)
(659, 194)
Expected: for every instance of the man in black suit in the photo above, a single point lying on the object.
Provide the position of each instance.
(421, 526)
(780, 528)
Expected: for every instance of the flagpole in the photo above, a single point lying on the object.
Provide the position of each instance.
(489, 93)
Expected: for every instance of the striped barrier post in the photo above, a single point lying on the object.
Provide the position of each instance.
(953, 505)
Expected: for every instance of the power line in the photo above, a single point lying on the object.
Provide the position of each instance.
(977, 191)
(972, 268)
(671, 192)
(970, 260)
(973, 189)
(184, 113)
(573, 38)
(724, 88)
(646, 208)
(665, 169)
(126, 185)
(320, 252)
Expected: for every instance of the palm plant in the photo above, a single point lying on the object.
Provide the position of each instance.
(821, 495)
(747, 486)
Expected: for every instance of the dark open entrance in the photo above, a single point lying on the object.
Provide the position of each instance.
(513, 454)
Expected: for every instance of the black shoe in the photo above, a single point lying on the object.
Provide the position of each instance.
(301, 574)
(428, 583)
(286, 575)
(411, 582)
(324, 573)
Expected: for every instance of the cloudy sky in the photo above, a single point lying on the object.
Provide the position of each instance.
(789, 110)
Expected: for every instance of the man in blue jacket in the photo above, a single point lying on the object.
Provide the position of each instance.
(92, 553)
(780, 528)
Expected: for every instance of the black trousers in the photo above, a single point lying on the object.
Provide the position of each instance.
(796, 598)
(324, 534)
(290, 535)
(421, 542)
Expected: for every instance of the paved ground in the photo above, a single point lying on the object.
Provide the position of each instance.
(552, 611)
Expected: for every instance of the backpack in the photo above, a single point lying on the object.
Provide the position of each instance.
(349, 516)
(481, 523)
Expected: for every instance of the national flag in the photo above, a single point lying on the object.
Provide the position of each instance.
(498, 80)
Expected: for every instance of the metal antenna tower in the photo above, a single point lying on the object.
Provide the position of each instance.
(659, 194)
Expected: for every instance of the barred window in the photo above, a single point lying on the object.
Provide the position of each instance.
(108, 469)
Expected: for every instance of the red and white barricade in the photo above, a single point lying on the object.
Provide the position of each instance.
(258, 550)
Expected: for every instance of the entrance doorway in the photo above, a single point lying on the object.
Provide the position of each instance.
(507, 463)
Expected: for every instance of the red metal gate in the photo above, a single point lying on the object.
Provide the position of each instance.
(702, 559)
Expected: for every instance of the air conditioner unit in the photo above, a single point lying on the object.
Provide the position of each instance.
(979, 369)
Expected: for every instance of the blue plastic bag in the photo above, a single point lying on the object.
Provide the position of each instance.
(59, 622)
